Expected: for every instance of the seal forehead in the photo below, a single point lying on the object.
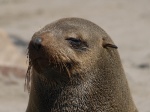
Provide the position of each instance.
(71, 23)
(74, 23)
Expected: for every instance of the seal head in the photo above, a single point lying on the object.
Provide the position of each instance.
(75, 67)
(65, 44)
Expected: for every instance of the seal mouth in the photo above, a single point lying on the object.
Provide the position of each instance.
(43, 62)
(52, 66)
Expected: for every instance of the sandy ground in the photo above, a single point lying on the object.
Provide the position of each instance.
(126, 21)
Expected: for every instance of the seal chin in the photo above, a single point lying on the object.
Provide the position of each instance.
(39, 64)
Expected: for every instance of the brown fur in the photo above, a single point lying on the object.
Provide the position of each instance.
(76, 68)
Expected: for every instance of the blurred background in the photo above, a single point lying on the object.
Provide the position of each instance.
(126, 21)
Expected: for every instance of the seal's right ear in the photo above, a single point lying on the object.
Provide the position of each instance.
(107, 43)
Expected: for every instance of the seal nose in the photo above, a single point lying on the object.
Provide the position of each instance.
(37, 43)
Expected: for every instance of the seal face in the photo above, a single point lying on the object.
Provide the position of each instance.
(75, 67)
(64, 43)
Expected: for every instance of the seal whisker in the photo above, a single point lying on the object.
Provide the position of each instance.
(59, 63)
(27, 78)
(67, 69)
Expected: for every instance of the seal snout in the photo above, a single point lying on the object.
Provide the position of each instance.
(37, 43)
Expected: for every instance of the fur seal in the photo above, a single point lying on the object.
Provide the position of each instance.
(75, 67)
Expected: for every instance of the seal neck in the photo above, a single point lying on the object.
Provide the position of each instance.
(96, 92)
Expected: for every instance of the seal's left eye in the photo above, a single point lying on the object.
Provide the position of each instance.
(77, 44)
(74, 41)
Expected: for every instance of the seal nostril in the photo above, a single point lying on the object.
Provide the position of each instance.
(37, 43)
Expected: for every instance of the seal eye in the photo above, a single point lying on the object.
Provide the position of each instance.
(77, 44)
(74, 41)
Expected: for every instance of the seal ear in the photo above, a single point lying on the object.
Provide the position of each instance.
(106, 43)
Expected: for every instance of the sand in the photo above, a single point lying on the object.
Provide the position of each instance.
(126, 21)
